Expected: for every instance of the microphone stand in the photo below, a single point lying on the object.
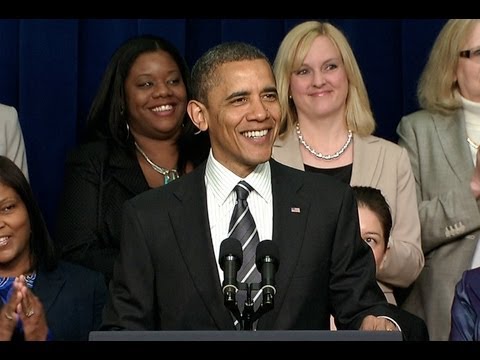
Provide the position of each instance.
(249, 315)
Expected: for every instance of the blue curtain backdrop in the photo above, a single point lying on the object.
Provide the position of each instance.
(50, 70)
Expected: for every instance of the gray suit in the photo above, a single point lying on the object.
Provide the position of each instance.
(11, 138)
(449, 214)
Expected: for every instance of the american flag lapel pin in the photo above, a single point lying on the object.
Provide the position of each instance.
(295, 210)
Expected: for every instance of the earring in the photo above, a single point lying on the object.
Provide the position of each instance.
(290, 97)
(197, 132)
(128, 130)
(121, 111)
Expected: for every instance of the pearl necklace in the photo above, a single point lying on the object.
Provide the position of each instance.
(320, 155)
(169, 175)
(475, 146)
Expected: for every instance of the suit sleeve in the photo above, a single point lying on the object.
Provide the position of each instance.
(463, 314)
(77, 231)
(438, 211)
(404, 260)
(354, 292)
(131, 302)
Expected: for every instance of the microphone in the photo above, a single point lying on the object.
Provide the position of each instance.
(230, 260)
(267, 263)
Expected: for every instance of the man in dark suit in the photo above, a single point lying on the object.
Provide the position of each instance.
(167, 275)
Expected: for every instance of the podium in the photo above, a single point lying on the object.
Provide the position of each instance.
(263, 335)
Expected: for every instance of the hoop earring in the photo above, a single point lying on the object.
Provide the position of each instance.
(128, 130)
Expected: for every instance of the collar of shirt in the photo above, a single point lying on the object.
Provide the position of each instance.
(221, 181)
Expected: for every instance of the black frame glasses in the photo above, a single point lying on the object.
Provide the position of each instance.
(472, 54)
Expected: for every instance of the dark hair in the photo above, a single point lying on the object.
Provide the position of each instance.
(41, 244)
(373, 199)
(107, 118)
(203, 72)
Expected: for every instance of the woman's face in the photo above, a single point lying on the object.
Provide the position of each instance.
(319, 87)
(14, 233)
(156, 96)
(372, 233)
(468, 69)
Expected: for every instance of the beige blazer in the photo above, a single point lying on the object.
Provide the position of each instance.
(383, 165)
(11, 138)
(449, 214)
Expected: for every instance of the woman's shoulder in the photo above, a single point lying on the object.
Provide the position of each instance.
(92, 152)
(420, 116)
(388, 145)
(78, 272)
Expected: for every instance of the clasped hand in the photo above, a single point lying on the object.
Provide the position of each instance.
(25, 306)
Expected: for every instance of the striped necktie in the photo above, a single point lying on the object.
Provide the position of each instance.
(243, 228)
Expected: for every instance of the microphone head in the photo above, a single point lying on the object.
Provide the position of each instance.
(266, 248)
(230, 247)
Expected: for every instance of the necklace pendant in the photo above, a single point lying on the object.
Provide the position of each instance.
(170, 176)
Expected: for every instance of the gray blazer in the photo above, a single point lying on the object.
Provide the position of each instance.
(449, 214)
(11, 138)
(383, 165)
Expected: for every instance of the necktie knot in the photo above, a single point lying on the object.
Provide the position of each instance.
(243, 189)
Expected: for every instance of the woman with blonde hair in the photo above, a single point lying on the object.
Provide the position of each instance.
(327, 127)
(442, 141)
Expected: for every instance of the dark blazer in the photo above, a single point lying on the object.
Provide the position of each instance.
(166, 276)
(99, 177)
(466, 308)
(73, 298)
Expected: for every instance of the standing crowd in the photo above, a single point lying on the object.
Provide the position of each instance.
(371, 234)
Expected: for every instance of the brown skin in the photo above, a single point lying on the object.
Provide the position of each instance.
(15, 260)
(156, 99)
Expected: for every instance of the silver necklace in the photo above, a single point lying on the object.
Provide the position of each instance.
(168, 175)
(318, 154)
(475, 146)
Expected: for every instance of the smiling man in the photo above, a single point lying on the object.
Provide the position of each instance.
(168, 275)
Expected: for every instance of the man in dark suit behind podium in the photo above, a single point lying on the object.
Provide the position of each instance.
(167, 275)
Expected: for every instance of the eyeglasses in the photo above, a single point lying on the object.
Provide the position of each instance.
(472, 54)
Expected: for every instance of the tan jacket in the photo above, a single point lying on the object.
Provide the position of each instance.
(383, 165)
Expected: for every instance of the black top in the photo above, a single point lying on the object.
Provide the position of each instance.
(342, 173)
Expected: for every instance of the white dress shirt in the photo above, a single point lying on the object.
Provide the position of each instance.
(220, 183)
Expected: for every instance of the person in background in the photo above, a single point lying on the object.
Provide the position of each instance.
(442, 142)
(375, 220)
(138, 137)
(11, 138)
(466, 308)
(167, 276)
(40, 298)
(327, 127)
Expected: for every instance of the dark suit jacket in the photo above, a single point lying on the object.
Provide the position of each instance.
(466, 308)
(99, 177)
(73, 298)
(166, 275)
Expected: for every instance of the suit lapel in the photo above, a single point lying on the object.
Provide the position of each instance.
(366, 162)
(290, 213)
(126, 170)
(195, 243)
(47, 286)
(452, 137)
